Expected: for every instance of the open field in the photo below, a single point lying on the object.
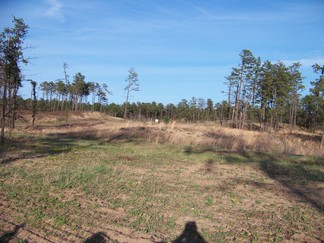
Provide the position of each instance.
(100, 179)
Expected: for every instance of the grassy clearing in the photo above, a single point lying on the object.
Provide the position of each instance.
(129, 184)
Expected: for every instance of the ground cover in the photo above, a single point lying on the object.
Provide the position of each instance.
(93, 182)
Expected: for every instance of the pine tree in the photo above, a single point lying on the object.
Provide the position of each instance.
(11, 56)
(297, 85)
(132, 85)
(34, 104)
(318, 93)
(242, 83)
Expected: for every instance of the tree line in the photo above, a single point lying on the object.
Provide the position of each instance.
(270, 94)
(60, 95)
(262, 94)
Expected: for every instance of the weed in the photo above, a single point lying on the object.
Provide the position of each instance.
(209, 201)
(12, 195)
(171, 223)
(188, 150)
(258, 201)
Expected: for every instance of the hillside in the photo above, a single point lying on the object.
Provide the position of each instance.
(104, 127)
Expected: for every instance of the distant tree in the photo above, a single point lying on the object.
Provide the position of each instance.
(318, 94)
(102, 98)
(242, 87)
(66, 76)
(318, 91)
(44, 87)
(161, 111)
(307, 116)
(101, 92)
(183, 111)
(232, 94)
(201, 105)
(62, 93)
(93, 89)
(170, 111)
(153, 110)
(264, 90)
(297, 85)
(281, 90)
(209, 109)
(269, 92)
(80, 89)
(67, 87)
(34, 104)
(220, 109)
(115, 110)
(275, 87)
(132, 85)
(193, 108)
(230, 86)
(251, 78)
(53, 95)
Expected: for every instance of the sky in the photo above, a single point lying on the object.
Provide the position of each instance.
(179, 48)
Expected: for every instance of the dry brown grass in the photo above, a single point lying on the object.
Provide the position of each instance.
(95, 124)
(209, 134)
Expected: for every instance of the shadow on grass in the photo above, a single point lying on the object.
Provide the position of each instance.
(296, 173)
(190, 234)
(300, 175)
(134, 134)
(30, 147)
(98, 237)
(10, 235)
(308, 137)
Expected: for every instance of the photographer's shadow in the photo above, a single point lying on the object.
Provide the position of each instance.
(190, 234)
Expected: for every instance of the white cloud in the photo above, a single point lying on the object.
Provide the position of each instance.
(305, 62)
(54, 10)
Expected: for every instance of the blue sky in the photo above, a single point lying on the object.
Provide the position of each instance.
(180, 48)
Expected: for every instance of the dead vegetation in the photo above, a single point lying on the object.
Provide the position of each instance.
(107, 128)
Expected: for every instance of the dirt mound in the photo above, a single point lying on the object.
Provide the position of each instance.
(61, 116)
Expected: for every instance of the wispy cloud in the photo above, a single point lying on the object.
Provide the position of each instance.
(276, 11)
(54, 10)
(307, 62)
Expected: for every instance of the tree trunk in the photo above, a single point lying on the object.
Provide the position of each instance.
(263, 115)
(237, 118)
(322, 141)
(126, 104)
(34, 103)
(3, 112)
(293, 113)
(14, 108)
(236, 108)
(246, 106)
(229, 100)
